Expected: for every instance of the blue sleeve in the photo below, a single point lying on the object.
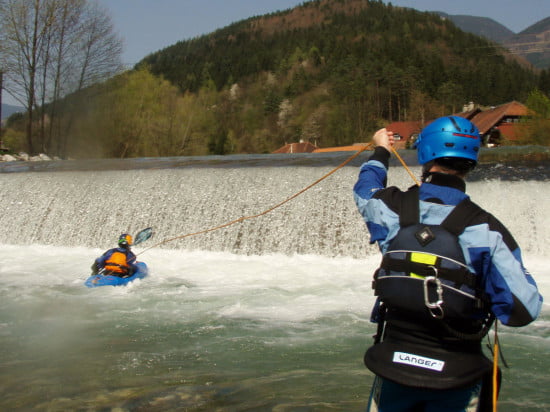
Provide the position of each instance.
(372, 176)
(492, 252)
(381, 221)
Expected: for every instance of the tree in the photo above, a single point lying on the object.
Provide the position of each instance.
(538, 126)
(1, 90)
(423, 108)
(51, 48)
(544, 81)
(22, 31)
(451, 96)
(137, 114)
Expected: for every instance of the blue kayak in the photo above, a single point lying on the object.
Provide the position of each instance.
(110, 280)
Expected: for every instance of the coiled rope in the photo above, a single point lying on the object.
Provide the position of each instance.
(243, 218)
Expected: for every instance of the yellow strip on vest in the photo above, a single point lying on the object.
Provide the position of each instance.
(425, 258)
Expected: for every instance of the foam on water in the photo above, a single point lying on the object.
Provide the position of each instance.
(271, 289)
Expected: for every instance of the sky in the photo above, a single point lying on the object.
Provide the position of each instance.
(147, 26)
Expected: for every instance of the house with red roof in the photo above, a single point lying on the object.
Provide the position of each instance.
(499, 123)
(496, 125)
(404, 132)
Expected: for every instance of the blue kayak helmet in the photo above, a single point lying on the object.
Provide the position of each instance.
(448, 137)
(125, 240)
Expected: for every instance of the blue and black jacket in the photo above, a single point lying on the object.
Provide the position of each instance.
(407, 342)
(489, 249)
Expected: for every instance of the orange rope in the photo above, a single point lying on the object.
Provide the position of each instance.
(242, 219)
(405, 166)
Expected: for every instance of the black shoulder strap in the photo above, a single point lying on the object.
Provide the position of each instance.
(409, 213)
(461, 216)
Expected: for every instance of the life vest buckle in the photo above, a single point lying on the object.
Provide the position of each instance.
(434, 307)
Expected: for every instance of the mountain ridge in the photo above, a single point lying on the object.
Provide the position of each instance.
(481, 26)
(8, 110)
(531, 44)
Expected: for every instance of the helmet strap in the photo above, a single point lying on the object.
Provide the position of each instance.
(426, 170)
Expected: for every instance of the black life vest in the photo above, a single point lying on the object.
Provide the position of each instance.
(433, 313)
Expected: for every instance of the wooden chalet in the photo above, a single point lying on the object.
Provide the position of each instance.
(498, 123)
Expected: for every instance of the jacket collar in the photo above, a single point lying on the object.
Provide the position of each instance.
(444, 179)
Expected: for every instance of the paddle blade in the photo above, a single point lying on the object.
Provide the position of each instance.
(143, 235)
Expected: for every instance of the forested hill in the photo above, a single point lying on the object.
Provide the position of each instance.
(358, 41)
(330, 72)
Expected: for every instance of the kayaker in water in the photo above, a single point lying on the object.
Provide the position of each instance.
(449, 268)
(119, 261)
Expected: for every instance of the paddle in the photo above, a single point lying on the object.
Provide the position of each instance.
(143, 235)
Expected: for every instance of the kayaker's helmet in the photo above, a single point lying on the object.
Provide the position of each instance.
(125, 240)
(449, 139)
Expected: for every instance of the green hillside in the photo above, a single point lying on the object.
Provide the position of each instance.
(347, 66)
(328, 71)
(343, 37)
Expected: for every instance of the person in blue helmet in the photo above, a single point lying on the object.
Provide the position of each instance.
(448, 269)
(120, 261)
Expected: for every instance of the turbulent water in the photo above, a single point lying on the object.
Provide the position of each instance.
(267, 314)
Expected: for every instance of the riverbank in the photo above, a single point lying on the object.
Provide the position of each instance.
(504, 154)
(25, 157)
(514, 154)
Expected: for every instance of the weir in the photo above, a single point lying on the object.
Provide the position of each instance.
(91, 208)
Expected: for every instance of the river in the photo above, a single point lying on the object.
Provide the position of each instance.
(269, 314)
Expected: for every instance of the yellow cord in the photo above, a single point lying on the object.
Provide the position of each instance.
(241, 219)
(495, 369)
(405, 166)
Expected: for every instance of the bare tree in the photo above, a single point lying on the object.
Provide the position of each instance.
(96, 51)
(22, 32)
(50, 49)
